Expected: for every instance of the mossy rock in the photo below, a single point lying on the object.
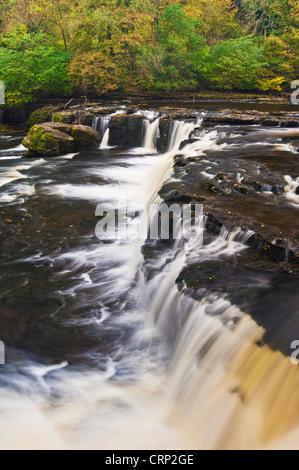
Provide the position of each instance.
(67, 117)
(75, 116)
(47, 141)
(85, 137)
(54, 139)
(41, 115)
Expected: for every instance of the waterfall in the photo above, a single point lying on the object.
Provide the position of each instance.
(150, 115)
(95, 123)
(291, 190)
(101, 124)
(151, 133)
(221, 390)
(105, 131)
(181, 372)
(180, 131)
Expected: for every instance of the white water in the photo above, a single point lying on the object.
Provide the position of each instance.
(151, 133)
(180, 131)
(291, 189)
(101, 124)
(149, 114)
(220, 390)
(14, 173)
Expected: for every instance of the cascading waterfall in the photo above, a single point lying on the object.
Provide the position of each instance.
(95, 123)
(151, 134)
(202, 377)
(101, 124)
(292, 190)
(221, 391)
(105, 131)
(180, 131)
(149, 114)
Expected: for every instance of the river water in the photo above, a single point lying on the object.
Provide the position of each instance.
(103, 350)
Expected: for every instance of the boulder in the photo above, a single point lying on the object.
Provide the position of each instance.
(163, 140)
(41, 115)
(54, 139)
(126, 130)
(74, 116)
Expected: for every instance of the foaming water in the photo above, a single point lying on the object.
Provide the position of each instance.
(231, 395)
(292, 190)
(101, 124)
(168, 371)
(151, 134)
(180, 131)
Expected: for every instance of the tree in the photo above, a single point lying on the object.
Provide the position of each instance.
(93, 73)
(217, 17)
(180, 58)
(30, 65)
(236, 64)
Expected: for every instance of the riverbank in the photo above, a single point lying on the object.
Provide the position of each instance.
(11, 116)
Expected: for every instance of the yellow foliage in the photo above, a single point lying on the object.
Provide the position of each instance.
(93, 71)
(272, 84)
(217, 16)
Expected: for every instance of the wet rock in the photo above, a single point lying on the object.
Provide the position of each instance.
(66, 117)
(102, 110)
(248, 118)
(241, 188)
(182, 160)
(163, 140)
(260, 187)
(289, 123)
(126, 130)
(271, 122)
(75, 116)
(213, 224)
(178, 197)
(54, 139)
(231, 119)
(85, 137)
(41, 115)
(179, 114)
(234, 201)
(211, 187)
(188, 142)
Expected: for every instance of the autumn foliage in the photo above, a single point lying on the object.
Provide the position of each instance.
(57, 47)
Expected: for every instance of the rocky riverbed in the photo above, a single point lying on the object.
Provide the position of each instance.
(135, 324)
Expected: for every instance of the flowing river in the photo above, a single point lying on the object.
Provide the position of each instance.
(105, 348)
